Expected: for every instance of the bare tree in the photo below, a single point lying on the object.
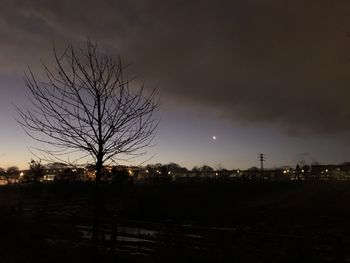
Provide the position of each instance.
(85, 105)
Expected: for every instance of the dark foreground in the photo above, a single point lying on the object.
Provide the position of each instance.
(200, 222)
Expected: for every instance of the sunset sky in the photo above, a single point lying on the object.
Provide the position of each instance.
(267, 77)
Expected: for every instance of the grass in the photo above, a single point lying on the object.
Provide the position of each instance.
(309, 209)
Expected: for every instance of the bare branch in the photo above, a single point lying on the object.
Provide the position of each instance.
(85, 105)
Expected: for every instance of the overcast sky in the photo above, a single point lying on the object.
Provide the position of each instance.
(262, 76)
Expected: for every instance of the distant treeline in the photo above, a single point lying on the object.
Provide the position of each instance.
(167, 173)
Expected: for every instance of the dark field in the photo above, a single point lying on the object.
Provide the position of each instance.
(189, 222)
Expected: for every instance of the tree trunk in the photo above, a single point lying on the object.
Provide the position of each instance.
(97, 208)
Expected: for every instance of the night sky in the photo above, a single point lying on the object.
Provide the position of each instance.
(267, 76)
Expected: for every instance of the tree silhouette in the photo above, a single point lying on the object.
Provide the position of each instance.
(2, 171)
(35, 173)
(86, 106)
(206, 169)
(11, 173)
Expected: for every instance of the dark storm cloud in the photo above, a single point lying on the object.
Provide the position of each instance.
(284, 63)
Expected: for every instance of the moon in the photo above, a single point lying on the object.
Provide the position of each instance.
(214, 137)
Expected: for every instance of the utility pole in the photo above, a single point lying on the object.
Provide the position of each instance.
(261, 158)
